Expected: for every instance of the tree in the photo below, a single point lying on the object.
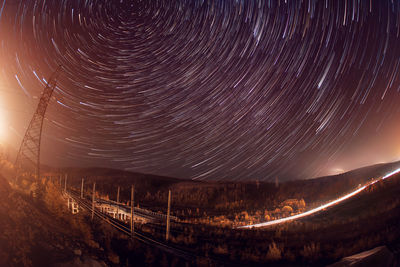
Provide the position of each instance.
(274, 253)
(287, 209)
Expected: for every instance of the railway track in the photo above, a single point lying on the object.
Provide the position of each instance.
(122, 227)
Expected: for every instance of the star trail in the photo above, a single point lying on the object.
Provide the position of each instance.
(224, 90)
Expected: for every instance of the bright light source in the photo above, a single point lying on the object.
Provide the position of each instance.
(335, 171)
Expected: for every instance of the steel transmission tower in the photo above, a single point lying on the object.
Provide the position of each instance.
(27, 163)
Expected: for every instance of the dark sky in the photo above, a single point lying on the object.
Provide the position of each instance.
(229, 89)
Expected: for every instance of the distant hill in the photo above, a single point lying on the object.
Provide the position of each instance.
(105, 177)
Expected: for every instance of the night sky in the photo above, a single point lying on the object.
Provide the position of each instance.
(229, 89)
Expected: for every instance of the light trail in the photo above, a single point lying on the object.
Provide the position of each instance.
(320, 208)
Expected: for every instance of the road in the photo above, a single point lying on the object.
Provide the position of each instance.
(322, 207)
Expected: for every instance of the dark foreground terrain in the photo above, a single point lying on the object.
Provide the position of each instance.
(36, 232)
(40, 231)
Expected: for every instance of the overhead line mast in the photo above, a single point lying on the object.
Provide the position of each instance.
(27, 162)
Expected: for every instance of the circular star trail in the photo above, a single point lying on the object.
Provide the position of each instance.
(228, 89)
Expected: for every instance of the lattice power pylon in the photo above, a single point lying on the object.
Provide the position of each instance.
(27, 163)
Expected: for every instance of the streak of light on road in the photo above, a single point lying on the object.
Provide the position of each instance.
(320, 208)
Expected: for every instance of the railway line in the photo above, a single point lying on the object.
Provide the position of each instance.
(124, 228)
